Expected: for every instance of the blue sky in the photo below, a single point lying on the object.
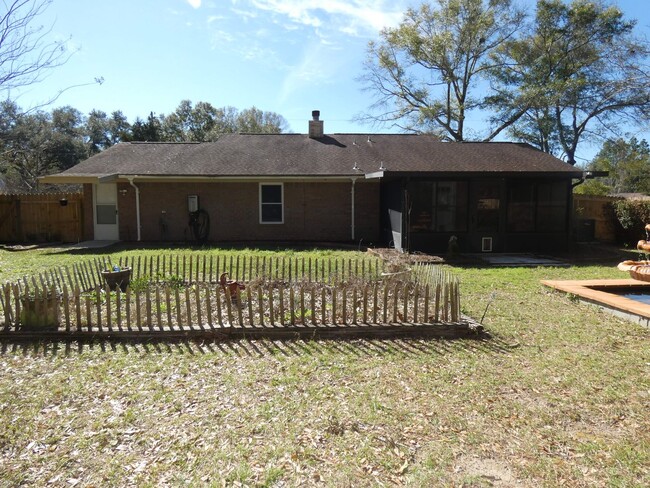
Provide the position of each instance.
(286, 56)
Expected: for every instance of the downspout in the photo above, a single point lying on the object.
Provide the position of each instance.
(137, 204)
(354, 180)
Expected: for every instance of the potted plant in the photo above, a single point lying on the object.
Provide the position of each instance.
(117, 276)
(40, 309)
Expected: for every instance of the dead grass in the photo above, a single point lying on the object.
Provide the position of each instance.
(559, 396)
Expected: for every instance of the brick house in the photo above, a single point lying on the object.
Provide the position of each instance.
(410, 191)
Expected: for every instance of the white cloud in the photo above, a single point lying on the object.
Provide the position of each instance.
(194, 3)
(317, 67)
(351, 17)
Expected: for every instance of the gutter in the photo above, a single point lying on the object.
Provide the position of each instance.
(354, 180)
(137, 204)
(588, 175)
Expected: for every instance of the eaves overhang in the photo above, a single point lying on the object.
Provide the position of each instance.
(386, 174)
(125, 178)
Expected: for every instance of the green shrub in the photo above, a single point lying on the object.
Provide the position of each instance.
(632, 214)
(140, 284)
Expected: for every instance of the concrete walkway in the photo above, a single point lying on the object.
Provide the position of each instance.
(88, 245)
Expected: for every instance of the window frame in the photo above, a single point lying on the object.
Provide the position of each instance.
(261, 203)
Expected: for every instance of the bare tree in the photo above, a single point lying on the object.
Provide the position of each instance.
(26, 54)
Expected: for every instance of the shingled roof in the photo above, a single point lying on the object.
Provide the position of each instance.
(297, 155)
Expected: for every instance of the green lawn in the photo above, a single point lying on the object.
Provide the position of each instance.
(560, 395)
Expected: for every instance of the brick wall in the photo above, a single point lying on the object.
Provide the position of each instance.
(312, 212)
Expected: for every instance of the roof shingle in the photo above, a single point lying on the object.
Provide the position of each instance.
(250, 155)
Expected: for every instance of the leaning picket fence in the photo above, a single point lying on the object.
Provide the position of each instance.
(181, 296)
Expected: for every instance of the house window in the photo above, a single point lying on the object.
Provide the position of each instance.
(271, 203)
(438, 206)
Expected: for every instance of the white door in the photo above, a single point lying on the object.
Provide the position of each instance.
(105, 212)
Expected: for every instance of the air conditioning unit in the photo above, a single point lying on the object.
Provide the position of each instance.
(486, 244)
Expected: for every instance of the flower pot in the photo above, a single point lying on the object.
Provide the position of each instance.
(40, 312)
(120, 278)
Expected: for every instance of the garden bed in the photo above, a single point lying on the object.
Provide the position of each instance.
(176, 297)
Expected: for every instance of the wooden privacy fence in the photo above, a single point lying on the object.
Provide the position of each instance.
(282, 297)
(41, 217)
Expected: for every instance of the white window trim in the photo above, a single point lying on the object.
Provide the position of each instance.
(271, 183)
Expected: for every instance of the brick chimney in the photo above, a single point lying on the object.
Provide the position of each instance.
(315, 125)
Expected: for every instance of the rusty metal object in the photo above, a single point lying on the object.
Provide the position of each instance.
(231, 287)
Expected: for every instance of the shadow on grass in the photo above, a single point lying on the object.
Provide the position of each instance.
(358, 348)
(211, 246)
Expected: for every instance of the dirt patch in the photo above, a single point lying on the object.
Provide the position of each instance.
(485, 472)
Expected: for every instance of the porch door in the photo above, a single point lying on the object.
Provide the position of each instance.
(105, 212)
(486, 209)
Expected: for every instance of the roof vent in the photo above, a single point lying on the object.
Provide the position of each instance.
(315, 125)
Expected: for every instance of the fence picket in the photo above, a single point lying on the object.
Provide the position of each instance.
(426, 303)
(292, 316)
(109, 317)
(6, 290)
(271, 314)
(118, 308)
(88, 314)
(249, 303)
(365, 303)
(197, 297)
(127, 309)
(239, 307)
(77, 307)
(188, 307)
(177, 300)
(138, 310)
(98, 299)
(416, 297)
(406, 303)
(158, 308)
(260, 301)
(281, 292)
(302, 301)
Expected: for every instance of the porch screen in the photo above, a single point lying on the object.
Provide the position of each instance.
(537, 206)
(551, 206)
(438, 206)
